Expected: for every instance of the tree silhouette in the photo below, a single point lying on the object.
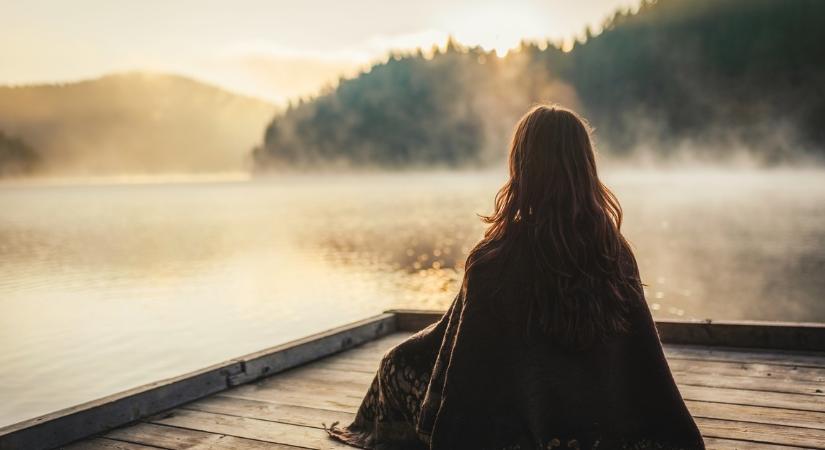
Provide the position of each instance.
(716, 73)
(16, 157)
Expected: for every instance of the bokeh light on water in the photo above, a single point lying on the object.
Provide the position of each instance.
(103, 288)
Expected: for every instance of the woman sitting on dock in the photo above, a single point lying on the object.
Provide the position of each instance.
(549, 343)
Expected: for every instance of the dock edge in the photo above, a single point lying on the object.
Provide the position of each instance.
(71, 424)
(88, 419)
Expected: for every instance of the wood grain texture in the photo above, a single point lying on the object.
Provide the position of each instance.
(741, 399)
(750, 383)
(743, 355)
(174, 438)
(71, 424)
(730, 444)
(759, 370)
(100, 415)
(758, 414)
(762, 433)
(276, 412)
(329, 399)
(109, 444)
(244, 427)
(801, 402)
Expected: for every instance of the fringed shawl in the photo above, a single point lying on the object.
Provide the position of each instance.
(475, 380)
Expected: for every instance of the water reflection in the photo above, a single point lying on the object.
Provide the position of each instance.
(120, 285)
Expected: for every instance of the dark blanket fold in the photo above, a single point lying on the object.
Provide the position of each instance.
(474, 381)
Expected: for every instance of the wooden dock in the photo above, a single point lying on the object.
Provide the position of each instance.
(749, 386)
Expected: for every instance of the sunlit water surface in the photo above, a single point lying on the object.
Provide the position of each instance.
(106, 287)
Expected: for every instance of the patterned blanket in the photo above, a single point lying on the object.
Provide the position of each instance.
(475, 380)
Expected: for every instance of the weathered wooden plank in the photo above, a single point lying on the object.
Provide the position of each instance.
(375, 350)
(319, 375)
(108, 444)
(372, 357)
(346, 400)
(359, 355)
(384, 343)
(743, 334)
(341, 395)
(750, 383)
(359, 358)
(164, 436)
(748, 399)
(243, 427)
(772, 371)
(273, 432)
(90, 418)
(729, 444)
(276, 412)
(348, 366)
(759, 414)
(174, 438)
(282, 357)
(800, 402)
(742, 355)
(71, 424)
(763, 433)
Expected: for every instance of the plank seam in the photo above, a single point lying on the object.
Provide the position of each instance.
(702, 416)
(223, 435)
(814, 395)
(272, 402)
(819, 443)
(720, 360)
(750, 441)
(89, 419)
(756, 406)
(134, 442)
(259, 418)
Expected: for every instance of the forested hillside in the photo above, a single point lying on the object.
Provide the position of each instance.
(133, 123)
(16, 157)
(712, 76)
(714, 72)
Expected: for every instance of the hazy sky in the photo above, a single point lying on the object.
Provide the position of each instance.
(272, 49)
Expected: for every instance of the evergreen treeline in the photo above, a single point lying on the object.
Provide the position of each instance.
(408, 110)
(16, 157)
(711, 71)
(714, 73)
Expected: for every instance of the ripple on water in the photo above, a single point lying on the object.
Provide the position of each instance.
(114, 287)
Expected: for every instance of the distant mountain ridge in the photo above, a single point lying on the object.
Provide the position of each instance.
(133, 123)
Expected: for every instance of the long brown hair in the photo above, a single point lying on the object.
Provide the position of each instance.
(558, 227)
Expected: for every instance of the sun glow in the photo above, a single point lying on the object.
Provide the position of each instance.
(275, 50)
(497, 28)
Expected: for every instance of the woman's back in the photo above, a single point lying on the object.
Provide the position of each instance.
(549, 342)
(616, 391)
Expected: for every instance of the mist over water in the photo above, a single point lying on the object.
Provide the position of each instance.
(112, 286)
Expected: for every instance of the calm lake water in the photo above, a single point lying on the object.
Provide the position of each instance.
(106, 287)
